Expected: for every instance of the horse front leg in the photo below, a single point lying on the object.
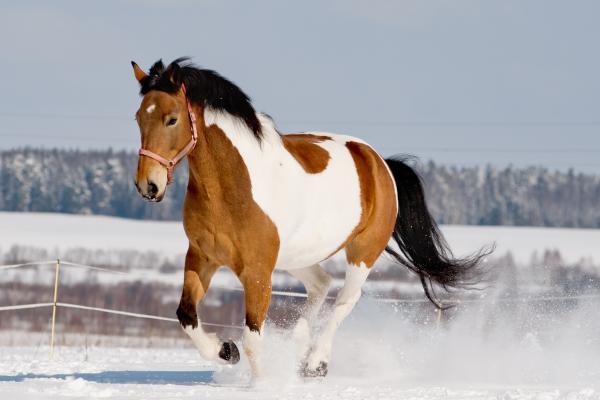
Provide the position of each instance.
(257, 295)
(198, 273)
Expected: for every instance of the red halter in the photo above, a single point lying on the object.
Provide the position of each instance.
(170, 164)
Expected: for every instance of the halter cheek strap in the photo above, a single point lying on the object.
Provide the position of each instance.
(170, 164)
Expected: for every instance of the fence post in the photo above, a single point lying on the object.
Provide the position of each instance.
(56, 272)
(438, 322)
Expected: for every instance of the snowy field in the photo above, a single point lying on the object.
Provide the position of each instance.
(489, 350)
(378, 354)
(152, 374)
(58, 232)
(63, 235)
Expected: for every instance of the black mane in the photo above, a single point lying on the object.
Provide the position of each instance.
(203, 86)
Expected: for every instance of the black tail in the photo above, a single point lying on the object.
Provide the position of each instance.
(422, 247)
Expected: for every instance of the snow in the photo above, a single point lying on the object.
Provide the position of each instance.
(378, 354)
(573, 244)
(62, 231)
(486, 350)
(58, 232)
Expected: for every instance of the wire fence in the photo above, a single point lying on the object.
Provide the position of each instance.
(55, 304)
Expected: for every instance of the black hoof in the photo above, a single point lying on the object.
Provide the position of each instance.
(229, 352)
(319, 372)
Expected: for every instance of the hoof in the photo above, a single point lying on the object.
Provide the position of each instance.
(229, 352)
(319, 372)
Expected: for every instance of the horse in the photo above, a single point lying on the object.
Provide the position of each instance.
(258, 200)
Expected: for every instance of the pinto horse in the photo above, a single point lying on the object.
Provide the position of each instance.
(258, 200)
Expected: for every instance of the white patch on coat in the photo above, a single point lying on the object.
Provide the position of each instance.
(151, 108)
(314, 213)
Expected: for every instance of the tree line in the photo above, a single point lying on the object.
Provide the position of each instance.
(101, 182)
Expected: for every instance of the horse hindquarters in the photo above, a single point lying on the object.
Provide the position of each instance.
(363, 247)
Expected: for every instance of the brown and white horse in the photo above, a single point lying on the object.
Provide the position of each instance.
(258, 201)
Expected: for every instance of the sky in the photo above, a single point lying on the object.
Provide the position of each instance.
(461, 82)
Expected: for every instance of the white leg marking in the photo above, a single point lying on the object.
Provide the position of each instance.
(207, 343)
(301, 336)
(344, 303)
(316, 281)
(252, 342)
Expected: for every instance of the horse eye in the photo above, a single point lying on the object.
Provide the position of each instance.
(171, 121)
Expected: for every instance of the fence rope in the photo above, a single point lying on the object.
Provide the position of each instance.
(528, 299)
(62, 264)
(26, 306)
(408, 301)
(109, 311)
(138, 315)
(76, 265)
(29, 264)
(304, 295)
(274, 293)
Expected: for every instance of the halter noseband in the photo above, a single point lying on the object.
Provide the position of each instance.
(170, 164)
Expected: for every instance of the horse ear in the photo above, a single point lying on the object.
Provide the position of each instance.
(138, 72)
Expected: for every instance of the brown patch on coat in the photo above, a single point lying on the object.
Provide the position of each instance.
(379, 207)
(223, 223)
(303, 147)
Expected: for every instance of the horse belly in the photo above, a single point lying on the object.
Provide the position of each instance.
(322, 211)
(309, 245)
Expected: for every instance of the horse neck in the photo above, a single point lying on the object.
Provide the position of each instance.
(216, 164)
(201, 162)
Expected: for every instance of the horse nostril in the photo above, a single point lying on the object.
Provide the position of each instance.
(152, 189)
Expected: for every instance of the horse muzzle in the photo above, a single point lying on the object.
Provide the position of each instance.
(150, 190)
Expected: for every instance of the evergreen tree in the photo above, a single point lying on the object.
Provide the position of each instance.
(101, 182)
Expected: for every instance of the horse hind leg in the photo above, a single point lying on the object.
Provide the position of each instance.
(361, 253)
(316, 281)
(379, 206)
(320, 355)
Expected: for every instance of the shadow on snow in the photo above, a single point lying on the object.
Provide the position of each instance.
(126, 377)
